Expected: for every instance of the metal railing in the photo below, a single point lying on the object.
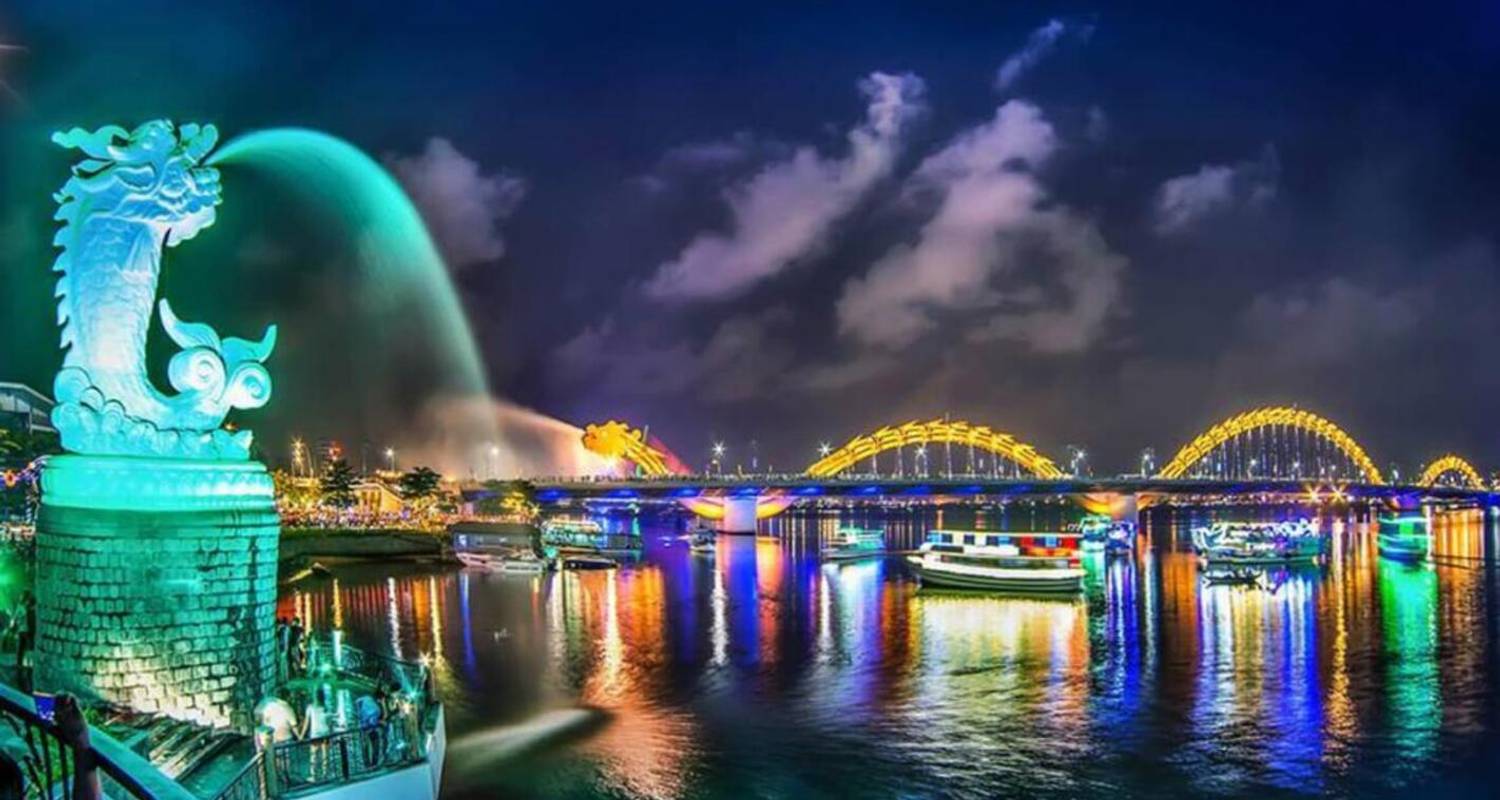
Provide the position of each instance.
(398, 741)
(49, 762)
(249, 784)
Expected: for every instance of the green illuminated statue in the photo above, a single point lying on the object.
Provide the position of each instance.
(137, 193)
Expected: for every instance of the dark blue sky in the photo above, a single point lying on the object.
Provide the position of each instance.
(1184, 212)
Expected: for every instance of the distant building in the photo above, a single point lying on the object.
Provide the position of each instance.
(23, 408)
(377, 497)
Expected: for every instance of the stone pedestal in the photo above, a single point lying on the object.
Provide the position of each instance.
(156, 584)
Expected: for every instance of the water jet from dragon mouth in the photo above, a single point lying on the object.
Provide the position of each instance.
(386, 352)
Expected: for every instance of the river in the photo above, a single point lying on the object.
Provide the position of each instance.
(760, 672)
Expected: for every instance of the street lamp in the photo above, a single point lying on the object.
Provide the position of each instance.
(824, 449)
(390, 458)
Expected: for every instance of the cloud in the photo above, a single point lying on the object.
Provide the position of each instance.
(1039, 45)
(785, 212)
(1183, 201)
(1331, 321)
(992, 224)
(1096, 126)
(741, 360)
(463, 208)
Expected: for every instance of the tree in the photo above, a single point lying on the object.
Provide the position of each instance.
(419, 486)
(337, 485)
(293, 493)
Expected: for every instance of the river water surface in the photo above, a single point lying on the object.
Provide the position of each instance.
(760, 672)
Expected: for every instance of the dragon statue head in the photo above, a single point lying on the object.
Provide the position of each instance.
(612, 439)
(152, 175)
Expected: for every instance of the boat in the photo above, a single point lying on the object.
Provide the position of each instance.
(1094, 529)
(575, 535)
(1232, 576)
(585, 561)
(1405, 537)
(498, 547)
(1021, 563)
(852, 543)
(1120, 540)
(1258, 542)
(703, 541)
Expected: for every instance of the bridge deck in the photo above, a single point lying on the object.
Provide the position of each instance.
(683, 487)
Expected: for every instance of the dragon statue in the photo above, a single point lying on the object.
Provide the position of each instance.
(135, 194)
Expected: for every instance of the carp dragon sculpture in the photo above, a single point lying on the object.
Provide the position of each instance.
(135, 194)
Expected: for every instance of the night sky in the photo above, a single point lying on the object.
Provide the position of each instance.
(791, 223)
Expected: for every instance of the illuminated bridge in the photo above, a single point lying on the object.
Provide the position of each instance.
(1281, 452)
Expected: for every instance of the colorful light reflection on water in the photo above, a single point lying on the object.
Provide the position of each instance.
(761, 672)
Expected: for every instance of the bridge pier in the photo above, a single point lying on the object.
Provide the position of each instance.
(739, 514)
(1120, 507)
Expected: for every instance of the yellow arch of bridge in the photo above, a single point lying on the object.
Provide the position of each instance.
(1451, 464)
(938, 431)
(1200, 447)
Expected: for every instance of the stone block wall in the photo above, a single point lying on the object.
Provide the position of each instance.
(167, 610)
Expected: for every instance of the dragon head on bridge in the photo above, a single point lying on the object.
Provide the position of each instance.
(618, 441)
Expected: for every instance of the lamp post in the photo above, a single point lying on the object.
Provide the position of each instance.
(390, 458)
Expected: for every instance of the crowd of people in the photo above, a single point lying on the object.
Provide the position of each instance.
(307, 709)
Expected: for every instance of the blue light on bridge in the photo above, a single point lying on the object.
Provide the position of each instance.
(624, 493)
(807, 491)
(550, 495)
(687, 491)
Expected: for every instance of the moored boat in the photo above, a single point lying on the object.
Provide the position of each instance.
(584, 561)
(1405, 537)
(1020, 563)
(498, 547)
(851, 543)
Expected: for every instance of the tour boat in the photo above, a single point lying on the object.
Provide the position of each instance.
(1258, 542)
(579, 535)
(1022, 563)
(1404, 538)
(851, 543)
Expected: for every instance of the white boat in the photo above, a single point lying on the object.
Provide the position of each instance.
(1020, 563)
(851, 543)
(498, 548)
(517, 561)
